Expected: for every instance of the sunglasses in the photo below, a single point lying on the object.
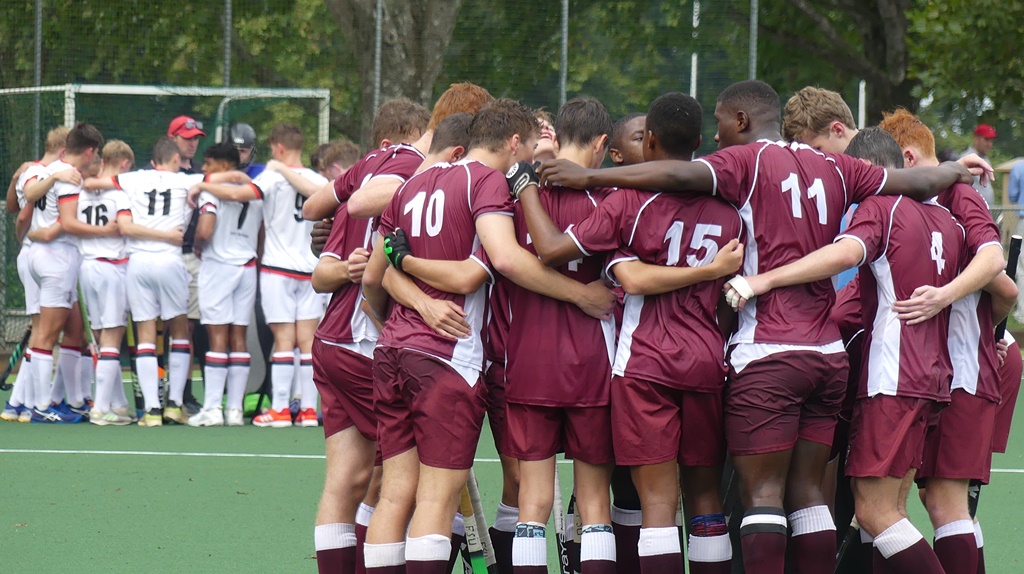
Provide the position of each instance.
(192, 125)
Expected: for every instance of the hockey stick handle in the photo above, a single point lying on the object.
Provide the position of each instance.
(16, 354)
(1011, 270)
(481, 522)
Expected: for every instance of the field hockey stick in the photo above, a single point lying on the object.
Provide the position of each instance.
(851, 537)
(481, 523)
(575, 561)
(16, 355)
(87, 328)
(140, 402)
(477, 562)
(1011, 270)
(559, 512)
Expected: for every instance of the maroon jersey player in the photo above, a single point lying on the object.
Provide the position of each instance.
(791, 199)
(426, 386)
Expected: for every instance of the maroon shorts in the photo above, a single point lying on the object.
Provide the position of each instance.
(959, 446)
(539, 433)
(1009, 387)
(423, 403)
(887, 435)
(494, 378)
(344, 381)
(784, 397)
(654, 424)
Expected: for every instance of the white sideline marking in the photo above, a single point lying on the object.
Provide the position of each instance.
(262, 455)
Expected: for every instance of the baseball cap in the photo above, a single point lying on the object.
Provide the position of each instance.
(185, 127)
(986, 131)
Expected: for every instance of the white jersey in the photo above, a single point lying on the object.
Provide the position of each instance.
(237, 229)
(46, 212)
(286, 247)
(158, 201)
(35, 171)
(100, 209)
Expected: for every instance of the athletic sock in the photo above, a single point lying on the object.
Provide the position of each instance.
(362, 523)
(305, 376)
(868, 552)
(530, 549)
(108, 374)
(385, 558)
(427, 554)
(295, 392)
(597, 549)
(335, 543)
(957, 547)
(979, 540)
(87, 371)
(149, 377)
(215, 377)
(626, 524)
(42, 368)
(56, 389)
(710, 550)
(456, 542)
(813, 540)
(282, 371)
(71, 371)
(179, 367)
(502, 534)
(763, 540)
(23, 393)
(238, 378)
(659, 550)
(905, 550)
(118, 397)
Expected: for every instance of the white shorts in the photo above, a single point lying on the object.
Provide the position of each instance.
(289, 299)
(54, 267)
(157, 286)
(192, 266)
(227, 293)
(31, 287)
(105, 293)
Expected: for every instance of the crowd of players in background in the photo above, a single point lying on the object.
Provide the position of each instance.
(479, 262)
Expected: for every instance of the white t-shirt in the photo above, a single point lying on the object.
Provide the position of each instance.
(35, 171)
(158, 201)
(100, 209)
(47, 212)
(287, 235)
(237, 229)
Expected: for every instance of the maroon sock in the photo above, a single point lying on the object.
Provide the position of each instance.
(426, 567)
(919, 559)
(502, 542)
(336, 561)
(958, 554)
(662, 563)
(813, 552)
(981, 560)
(360, 541)
(457, 540)
(878, 564)
(724, 567)
(597, 567)
(530, 569)
(764, 552)
(398, 569)
(627, 558)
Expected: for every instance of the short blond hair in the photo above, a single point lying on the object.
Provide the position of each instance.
(811, 110)
(56, 139)
(909, 131)
(117, 151)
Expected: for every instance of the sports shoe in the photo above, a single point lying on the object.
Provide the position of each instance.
(103, 419)
(81, 410)
(207, 418)
(174, 414)
(233, 418)
(125, 412)
(275, 419)
(307, 418)
(152, 418)
(26, 415)
(294, 407)
(12, 413)
(191, 407)
(54, 416)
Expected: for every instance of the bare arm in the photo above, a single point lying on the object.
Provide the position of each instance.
(224, 191)
(302, 185)
(1004, 296)
(373, 281)
(639, 278)
(331, 273)
(444, 317)
(12, 189)
(68, 210)
(204, 230)
(99, 183)
(552, 245)
(38, 187)
(46, 234)
(925, 182)
(131, 229)
(371, 199)
(461, 277)
(321, 204)
(926, 301)
(662, 175)
(24, 220)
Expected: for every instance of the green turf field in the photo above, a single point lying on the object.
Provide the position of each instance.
(178, 499)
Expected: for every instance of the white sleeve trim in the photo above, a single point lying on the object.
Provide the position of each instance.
(332, 255)
(486, 268)
(714, 176)
(984, 245)
(568, 231)
(612, 263)
(885, 177)
(863, 248)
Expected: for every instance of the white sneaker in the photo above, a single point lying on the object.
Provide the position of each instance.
(207, 418)
(125, 411)
(110, 418)
(233, 418)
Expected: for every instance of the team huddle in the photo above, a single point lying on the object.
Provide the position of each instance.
(645, 320)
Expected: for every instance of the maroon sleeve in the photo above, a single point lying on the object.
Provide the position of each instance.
(869, 225)
(606, 228)
(402, 164)
(490, 194)
(862, 180)
(970, 209)
(346, 185)
(389, 218)
(336, 240)
(733, 168)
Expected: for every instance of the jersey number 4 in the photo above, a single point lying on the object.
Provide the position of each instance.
(815, 192)
(702, 237)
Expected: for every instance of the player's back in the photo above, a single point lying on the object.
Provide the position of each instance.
(236, 231)
(159, 202)
(792, 199)
(99, 209)
(437, 208)
(557, 354)
(914, 244)
(286, 246)
(398, 161)
(344, 320)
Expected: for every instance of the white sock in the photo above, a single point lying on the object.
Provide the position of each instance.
(364, 513)
(597, 542)
(87, 370)
(149, 377)
(178, 371)
(811, 520)
(215, 375)
(305, 376)
(627, 517)
(709, 548)
(118, 398)
(335, 535)
(429, 548)
(529, 546)
(108, 374)
(381, 555)
(42, 367)
(659, 541)
(978, 536)
(56, 387)
(955, 528)
(295, 392)
(71, 371)
(897, 538)
(282, 371)
(506, 518)
(22, 394)
(459, 525)
(238, 378)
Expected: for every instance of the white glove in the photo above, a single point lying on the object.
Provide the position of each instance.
(739, 293)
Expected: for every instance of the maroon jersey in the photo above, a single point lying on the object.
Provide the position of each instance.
(972, 345)
(792, 199)
(344, 321)
(438, 208)
(847, 311)
(672, 339)
(498, 318)
(557, 355)
(398, 161)
(907, 244)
